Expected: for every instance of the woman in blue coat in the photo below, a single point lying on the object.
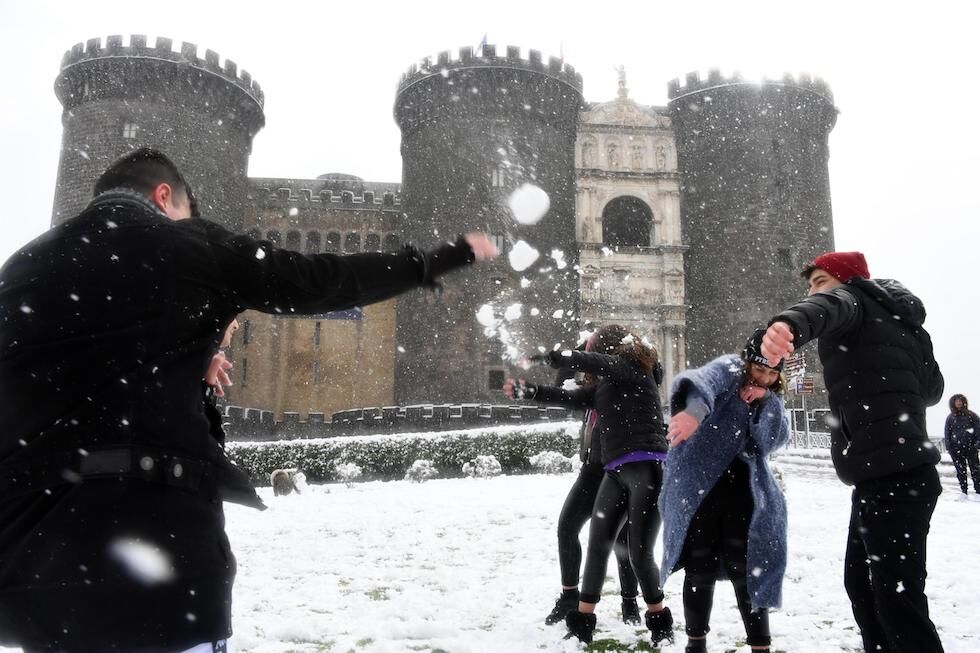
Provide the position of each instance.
(723, 509)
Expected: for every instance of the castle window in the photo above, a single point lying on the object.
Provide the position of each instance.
(244, 372)
(293, 239)
(784, 258)
(130, 129)
(313, 242)
(333, 243)
(316, 372)
(495, 380)
(372, 243)
(391, 243)
(274, 237)
(255, 234)
(498, 177)
(316, 334)
(246, 331)
(498, 242)
(352, 242)
(627, 222)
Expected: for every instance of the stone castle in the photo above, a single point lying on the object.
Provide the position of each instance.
(687, 222)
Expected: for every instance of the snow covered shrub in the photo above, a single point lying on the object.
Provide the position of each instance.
(348, 473)
(421, 471)
(482, 467)
(552, 462)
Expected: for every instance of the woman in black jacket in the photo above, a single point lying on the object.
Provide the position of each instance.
(629, 426)
(962, 437)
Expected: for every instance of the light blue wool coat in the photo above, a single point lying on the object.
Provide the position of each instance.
(731, 428)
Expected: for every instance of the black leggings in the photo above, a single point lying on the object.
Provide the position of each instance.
(627, 495)
(718, 539)
(576, 511)
(965, 457)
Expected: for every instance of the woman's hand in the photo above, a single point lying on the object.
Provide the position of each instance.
(750, 393)
(682, 426)
(509, 388)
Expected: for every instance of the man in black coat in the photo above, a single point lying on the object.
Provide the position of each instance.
(111, 488)
(880, 375)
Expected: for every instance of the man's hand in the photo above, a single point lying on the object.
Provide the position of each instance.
(519, 389)
(750, 393)
(483, 248)
(777, 344)
(217, 374)
(682, 426)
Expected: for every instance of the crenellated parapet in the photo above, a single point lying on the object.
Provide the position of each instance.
(299, 194)
(694, 83)
(163, 50)
(448, 62)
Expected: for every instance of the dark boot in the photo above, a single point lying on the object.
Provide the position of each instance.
(696, 646)
(580, 625)
(565, 604)
(631, 611)
(661, 626)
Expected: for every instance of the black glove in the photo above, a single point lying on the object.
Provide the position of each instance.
(524, 390)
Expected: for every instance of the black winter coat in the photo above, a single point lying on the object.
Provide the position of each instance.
(626, 400)
(880, 375)
(107, 325)
(962, 431)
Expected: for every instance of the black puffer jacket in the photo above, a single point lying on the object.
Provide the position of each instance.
(626, 400)
(107, 325)
(880, 374)
(962, 430)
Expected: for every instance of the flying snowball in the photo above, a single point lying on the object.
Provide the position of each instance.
(529, 204)
(522, 256)
(485, 315)
(144, 562)
(513, 312)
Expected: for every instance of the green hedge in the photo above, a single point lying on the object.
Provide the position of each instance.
(388, 457)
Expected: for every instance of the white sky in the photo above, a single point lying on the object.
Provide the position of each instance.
(904, 154)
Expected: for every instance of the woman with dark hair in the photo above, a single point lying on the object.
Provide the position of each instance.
(629, 426)
(962, 436)
(723, 509)
(576, 511)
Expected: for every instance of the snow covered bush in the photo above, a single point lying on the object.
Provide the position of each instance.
(389, 457)
(482, 467)
(348, 473)
(421, 471)
(552, 462)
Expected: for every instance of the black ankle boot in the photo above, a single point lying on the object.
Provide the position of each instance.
(661, 626)
(631, 612)
(580, 625)
(565, 604)
(696, 646)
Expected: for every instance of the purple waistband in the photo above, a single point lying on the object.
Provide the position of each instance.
(634, 457)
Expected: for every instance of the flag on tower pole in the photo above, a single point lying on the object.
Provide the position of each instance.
(561, 52)
(483, 41)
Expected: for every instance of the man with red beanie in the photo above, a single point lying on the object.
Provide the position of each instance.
(880, 375)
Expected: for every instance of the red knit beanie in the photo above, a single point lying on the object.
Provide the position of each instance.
(843, 265)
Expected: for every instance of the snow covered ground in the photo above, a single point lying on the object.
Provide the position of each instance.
(470, 565)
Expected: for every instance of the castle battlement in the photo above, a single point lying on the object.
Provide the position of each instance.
(162, 50)
(464, 58)
(298, 196)
(694, 83)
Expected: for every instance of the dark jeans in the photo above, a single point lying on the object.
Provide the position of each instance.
(627, 495)
(576, 511)
(885, 561)
(717, 539)
(966, 458)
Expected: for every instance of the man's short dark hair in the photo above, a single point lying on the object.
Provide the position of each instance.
(143, 170)
(808, 270)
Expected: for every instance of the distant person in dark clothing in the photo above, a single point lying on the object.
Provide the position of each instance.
(880, 375)
(962, 436)
(577, 510)
(108, 323)
(629, 425)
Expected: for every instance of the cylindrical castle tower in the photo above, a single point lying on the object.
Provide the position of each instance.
(474, 129)
(755, 199)
(119, 98)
